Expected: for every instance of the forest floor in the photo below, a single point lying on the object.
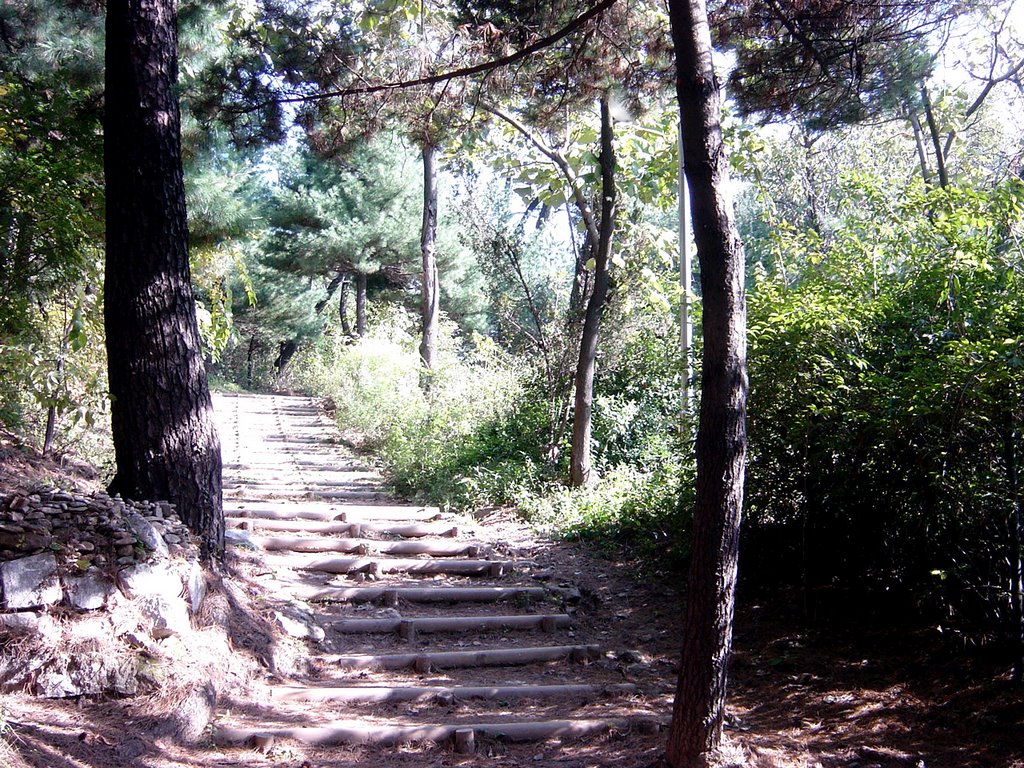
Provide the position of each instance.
(802, 695)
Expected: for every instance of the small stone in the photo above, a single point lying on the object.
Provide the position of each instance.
(85, 546)
(146, 533)
(24, 541)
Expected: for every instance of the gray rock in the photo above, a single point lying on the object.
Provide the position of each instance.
(30, 582)
(297, 625)
(239, 538)
(149, 579)
(25, 623)
(195, 582)
(89, 591)
(56, 685)
(146, 533)
(89, 674)
(167, 616)
(24, 541)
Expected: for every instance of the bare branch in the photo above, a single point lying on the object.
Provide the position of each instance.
(475, 69)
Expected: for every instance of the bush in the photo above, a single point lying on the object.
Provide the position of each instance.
(645, 512)
(422, 438)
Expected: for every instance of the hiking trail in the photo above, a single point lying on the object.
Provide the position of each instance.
(425, 628)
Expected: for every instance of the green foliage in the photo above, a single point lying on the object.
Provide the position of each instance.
(50, 221)
(644, 512)
(880, 385)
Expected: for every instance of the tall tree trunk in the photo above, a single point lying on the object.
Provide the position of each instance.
(579, 456)
(165, 443)
(697, 715)
(429, 307)
(361, 303)
(1010, 437)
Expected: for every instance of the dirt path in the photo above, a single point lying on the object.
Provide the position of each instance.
(425, 630)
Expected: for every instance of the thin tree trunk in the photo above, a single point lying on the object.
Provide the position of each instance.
(697, 715)
(922, 154)
(285, 352)
(579, 456)
(51, 412)
(361, 303)
(165, 443)
(346, 326)
(429, 307)
(250, 361)
(933, 130)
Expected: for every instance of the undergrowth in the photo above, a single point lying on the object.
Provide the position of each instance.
(477, 438)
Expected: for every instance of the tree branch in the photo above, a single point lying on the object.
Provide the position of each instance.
(475, 69)
(556, 157)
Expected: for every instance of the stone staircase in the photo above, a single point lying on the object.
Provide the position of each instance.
(424, 628)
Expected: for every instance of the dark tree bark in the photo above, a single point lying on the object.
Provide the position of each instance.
(579, 456)
(346, 326)
(1010, 437)
(250, 361)
(285, 352)
(361, 303)
(429, 307)
(165, 443)
(696, 728)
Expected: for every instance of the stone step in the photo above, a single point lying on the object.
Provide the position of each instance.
(378, 565)
(492, 657)
(405, 530)
(392, 595)
(341, 732)
(410, 628)
(332, 512)
(423, 546)
(445, 695)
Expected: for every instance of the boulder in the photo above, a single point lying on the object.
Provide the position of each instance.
(88, 591)
(149, 579)
(89, 674)
(299, 624)
(30, 582)
(167, 616)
